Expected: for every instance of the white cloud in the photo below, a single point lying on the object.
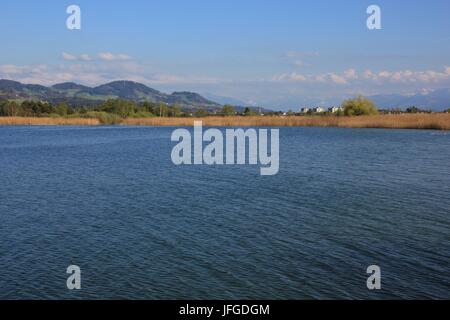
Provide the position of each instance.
(108, 56)
(292, 77)
(85, 57)
(300, 63)
(51, 74)
(104, 56)
(380, 77)
(350, 74)
(322, 78)
(70, 57)
(99, 73)
(408, 76)
(11, 69)
(337, 78)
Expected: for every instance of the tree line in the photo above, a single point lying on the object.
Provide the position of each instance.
(120, 107)
(116, 109)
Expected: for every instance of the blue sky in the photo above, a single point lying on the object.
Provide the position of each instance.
(275, 53)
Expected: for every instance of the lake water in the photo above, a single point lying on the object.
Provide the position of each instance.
(109, 200)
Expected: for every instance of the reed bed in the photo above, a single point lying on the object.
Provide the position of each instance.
(436, 121)
(30, 121)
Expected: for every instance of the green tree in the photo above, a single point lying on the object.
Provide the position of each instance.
(249, 112)
(148, 107)
(3, 109)
(162, 110)
(175, 111)
(62, 109)
(201, 113)
(122, 108)
(359, 106)
(11, 109)
(228, 110)
(413, 110)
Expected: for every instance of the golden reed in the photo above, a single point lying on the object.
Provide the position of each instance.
(436, 121)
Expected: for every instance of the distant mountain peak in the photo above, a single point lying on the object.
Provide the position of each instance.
(128, 90)
(117, 83)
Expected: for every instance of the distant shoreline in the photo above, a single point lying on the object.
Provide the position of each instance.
(435, 121)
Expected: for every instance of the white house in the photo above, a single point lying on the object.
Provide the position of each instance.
(304, 110)
(319, 110)
(335, 109)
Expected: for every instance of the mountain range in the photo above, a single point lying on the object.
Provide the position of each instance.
(437, 100)
(78, 95)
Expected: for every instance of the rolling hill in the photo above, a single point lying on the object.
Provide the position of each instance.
(79, 95)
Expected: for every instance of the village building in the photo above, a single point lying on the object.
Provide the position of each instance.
(319, 110)
(304, 110)
(335, 109)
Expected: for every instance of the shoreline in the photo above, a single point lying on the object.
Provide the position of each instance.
(435, 121)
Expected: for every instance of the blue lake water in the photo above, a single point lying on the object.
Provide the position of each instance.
(109, 200)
